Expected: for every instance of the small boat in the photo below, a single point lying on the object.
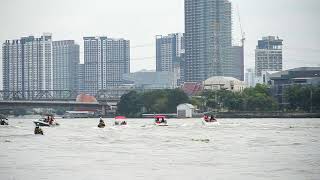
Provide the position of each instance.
(212, 121)
(48, 121)
(160, 121)
(120, 121)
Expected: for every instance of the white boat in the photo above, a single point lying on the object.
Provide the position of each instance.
(160, 121)
(46, 122)
(120, 121)
(208, 122)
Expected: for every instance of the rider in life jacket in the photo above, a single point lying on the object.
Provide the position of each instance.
(38, 130)
(213, 119)
(101, 123)
(206, 118)
(4, 122)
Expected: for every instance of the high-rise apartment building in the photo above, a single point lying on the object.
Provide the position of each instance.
(81, 78)
(169, 50)
(65, 65)
(268, 55)
(27, 64)
(106, 60)
(237, 62)
(208, 39)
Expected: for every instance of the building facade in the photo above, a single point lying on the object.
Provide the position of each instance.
(250, 79)
(65, 65)
(106, 60)
(237, 62)
(169, 50)
(150, 80)
(216, 83)
(81, 78)
(27, 64)
(208, 39)
(281, 80)
(268, 55)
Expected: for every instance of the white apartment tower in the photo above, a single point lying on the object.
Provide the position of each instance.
(106, 60)
(27, 64)
(65, 65)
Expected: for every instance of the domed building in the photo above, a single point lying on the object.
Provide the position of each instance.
(221, 82)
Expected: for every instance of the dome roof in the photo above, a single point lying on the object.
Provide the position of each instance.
(85, 98)
(221, 80)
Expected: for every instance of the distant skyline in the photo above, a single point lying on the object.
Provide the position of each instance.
(295, 21)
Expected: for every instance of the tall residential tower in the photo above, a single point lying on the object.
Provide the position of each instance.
(106, 60)
(169, 54)
(65, 65)
(208, 36)
(27, 64)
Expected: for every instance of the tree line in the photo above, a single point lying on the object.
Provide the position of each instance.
(135, 103)
(299, 98)
(303, 98)
(258, 98)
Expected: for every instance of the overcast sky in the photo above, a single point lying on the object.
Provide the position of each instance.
(295, 21)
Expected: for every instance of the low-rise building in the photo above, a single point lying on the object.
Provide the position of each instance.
(185, 110)
(281, 80)
(224, 83)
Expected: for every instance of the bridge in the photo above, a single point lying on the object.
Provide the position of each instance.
(106, 99)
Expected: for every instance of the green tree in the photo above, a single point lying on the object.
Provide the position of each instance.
(130, 104)
(302, 97)
(251, 99)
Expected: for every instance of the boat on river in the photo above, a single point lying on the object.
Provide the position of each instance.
(120, 121)
(47, 121)
(160, 120)
(209, 121)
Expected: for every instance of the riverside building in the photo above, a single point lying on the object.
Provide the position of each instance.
(105, 60)
(169, 54)
(28, 64)
(208, 39)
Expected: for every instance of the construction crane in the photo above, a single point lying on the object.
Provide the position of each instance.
(243, 35)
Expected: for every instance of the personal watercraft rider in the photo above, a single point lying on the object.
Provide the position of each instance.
(213, 119)
(4, 122)
(101, 123)
(163, 121)
(38, 130)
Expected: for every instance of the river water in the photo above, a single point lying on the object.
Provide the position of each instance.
(248, 149)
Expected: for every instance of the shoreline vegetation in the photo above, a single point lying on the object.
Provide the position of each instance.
(255, 102)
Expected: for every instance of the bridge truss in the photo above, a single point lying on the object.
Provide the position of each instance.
(39, 95)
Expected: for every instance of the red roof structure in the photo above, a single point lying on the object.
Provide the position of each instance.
(192, 89)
